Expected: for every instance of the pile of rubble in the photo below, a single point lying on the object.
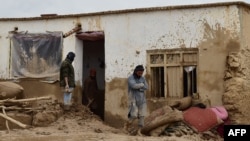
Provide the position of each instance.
(179, 119)
(19, 112)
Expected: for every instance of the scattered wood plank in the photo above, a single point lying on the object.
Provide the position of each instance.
(6, 121)
(14, 121)
(17, 103)
(90, 102)
(20, 101)
(22, 108)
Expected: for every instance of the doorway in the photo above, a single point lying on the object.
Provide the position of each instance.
(94, 58)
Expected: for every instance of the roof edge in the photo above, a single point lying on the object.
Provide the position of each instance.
(132, 10)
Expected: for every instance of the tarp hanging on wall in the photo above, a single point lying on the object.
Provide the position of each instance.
(91, 35)
(36, 55)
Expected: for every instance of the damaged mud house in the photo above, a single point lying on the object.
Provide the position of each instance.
(194, 50)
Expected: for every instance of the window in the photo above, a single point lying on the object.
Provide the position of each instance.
(36, 55)
(173, 72)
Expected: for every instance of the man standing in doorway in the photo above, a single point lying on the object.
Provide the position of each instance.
(91, 90)
(137, 86)
(67, 79)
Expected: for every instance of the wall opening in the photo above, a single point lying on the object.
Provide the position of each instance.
(189, 81)
(94, 58)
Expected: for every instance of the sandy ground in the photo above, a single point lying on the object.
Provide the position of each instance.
(82, 125)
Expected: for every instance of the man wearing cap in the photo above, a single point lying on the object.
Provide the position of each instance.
(137, 86)
(67, 79)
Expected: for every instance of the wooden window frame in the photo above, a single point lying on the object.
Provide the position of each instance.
(161, 58)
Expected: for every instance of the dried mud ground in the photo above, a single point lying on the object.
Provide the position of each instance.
(82, 125)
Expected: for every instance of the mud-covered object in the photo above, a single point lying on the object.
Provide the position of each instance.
(201, 120)
(161, 116)
(50, 113)
(11, 90)
(157, 120)
(182, 104)
(45, 118)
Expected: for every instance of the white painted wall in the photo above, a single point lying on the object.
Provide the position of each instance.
(127, 33)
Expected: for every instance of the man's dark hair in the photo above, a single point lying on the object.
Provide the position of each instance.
(139, 68)
(71, 56)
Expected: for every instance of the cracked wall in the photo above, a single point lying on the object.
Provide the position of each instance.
(237, 76)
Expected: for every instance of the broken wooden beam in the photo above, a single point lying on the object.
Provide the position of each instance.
(6, 121)
(19, 101)
(14, 121)
(74, 30)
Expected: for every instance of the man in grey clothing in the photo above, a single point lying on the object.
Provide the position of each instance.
(137, 86)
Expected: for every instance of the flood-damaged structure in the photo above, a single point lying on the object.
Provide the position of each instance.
(193, 50)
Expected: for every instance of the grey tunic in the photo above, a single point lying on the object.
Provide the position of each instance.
(136, 96)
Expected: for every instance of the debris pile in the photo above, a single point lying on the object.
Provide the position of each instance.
(182, 119)
(15, 109)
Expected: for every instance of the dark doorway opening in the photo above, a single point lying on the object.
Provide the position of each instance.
(94, 58)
